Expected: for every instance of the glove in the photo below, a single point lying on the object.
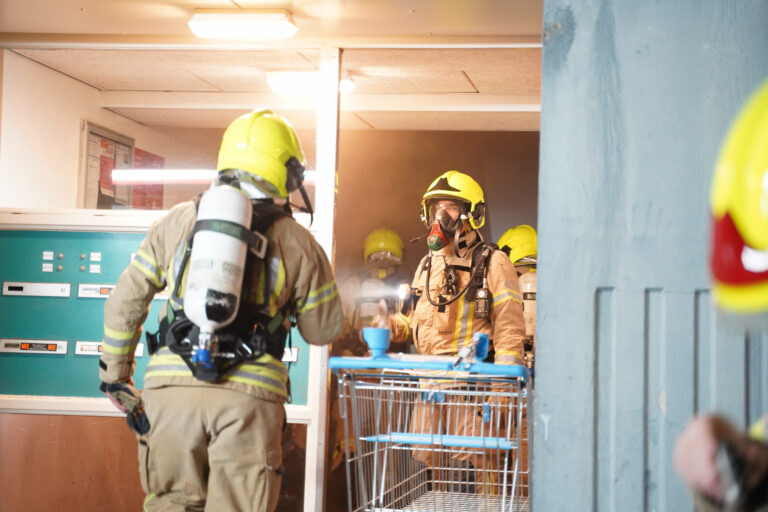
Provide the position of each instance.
(127, 399)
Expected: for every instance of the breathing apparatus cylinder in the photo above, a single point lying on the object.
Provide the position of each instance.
(216, 265)
(528, 290)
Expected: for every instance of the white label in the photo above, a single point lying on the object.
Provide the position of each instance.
(47, 267)
(47, 255)
(93, 348)
(87, 348)
(37, 289)
(33, 346)
(94, 269)
(95, 256)
(94, 291)
(291, 355)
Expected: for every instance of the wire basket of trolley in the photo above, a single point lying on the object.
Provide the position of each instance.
(433, 433)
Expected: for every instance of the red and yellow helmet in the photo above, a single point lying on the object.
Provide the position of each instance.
(739, 206)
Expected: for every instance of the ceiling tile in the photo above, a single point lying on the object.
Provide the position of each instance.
(174, 70)
(453, 121)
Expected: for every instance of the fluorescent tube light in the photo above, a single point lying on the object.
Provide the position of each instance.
(153, 176)
(242, 24)
(302, 84)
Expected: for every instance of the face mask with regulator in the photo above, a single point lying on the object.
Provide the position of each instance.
(443, 227)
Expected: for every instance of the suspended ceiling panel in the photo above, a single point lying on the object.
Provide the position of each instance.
(451, 121)
(498, 71)
(400, 89)
(174, 70)
(220, 118)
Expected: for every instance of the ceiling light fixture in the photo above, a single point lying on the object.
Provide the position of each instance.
(242, 24)
(302, 84)
(346, 85)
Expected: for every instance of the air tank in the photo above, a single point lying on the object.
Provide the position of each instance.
(217, 262)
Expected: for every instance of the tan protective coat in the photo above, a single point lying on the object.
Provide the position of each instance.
(443, 332)
(300, 277)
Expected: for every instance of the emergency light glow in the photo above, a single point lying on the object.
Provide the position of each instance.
(242, 24)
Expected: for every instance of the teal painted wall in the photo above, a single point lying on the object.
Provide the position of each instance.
(636, 98)
(75, 319)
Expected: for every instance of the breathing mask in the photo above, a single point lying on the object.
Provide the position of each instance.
(445, 219)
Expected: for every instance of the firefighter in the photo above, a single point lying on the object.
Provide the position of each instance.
(520, 243)
(725, 469)
(461, 287)
(210, 419)
(382, 275)
(380, 279)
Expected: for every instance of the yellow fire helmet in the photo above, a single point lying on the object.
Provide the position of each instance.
(458, 186)
(519, 242)
(739, 205)
(383, 240)
(265, 145)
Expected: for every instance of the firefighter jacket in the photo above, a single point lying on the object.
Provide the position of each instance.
(300, 278)
(443, 330)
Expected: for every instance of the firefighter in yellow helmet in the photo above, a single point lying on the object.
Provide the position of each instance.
(461, 287)
(209, 421)
(520, 244)
(382, 274)
(725, 469)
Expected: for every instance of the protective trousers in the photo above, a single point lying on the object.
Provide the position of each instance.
(210, 449)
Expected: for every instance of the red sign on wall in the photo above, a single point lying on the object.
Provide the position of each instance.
(147, 197)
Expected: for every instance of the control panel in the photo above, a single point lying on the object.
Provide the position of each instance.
(54, 286)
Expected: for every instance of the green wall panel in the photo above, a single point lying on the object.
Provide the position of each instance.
(74, 319)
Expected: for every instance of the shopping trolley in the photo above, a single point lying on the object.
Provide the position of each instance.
(425, 434)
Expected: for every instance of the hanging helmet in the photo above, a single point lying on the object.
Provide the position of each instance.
(383, 240)
(739, 205)
(519, 242)
(457, 186)
(264, 145)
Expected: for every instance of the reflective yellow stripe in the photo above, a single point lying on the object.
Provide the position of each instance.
(320, 290)
(257, 384)
(261, 370)
(504, 295)
(318, 297)
(508, 356)
(150, 275)
(470, 318)
(117, 342)
(463, 333)
(405, 324)
(147, 500)
(279, 284)
(266, 373)
(117, 351)
(119, 335)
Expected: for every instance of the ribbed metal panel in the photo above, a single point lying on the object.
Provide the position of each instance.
(636, 97)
